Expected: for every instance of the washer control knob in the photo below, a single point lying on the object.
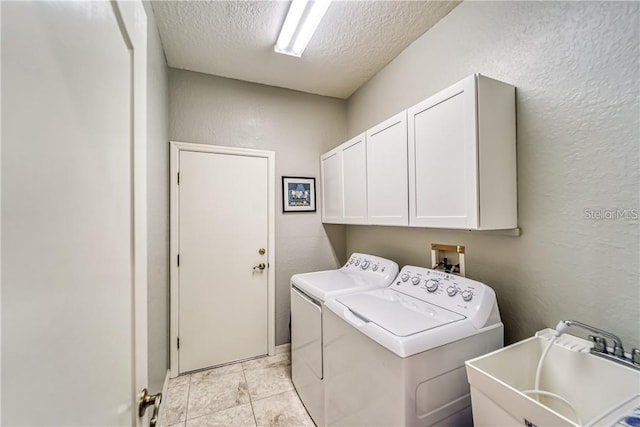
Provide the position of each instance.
(351, 260)
(467, 295)
(357, 262)
(405, 277)
(415, 280)
(432, 285)
(451, 290)
(365, 265)
(375, 267)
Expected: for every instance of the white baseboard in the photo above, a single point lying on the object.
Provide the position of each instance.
(284, 348)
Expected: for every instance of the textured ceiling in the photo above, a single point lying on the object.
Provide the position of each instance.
(235, 39)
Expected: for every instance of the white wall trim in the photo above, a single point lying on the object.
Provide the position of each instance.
(133, 20)
(0, 224)
(176, 147)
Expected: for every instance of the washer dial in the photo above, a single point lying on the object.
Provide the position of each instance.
(432, 285)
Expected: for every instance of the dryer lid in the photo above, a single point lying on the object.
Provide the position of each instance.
(397, 313)
(323, 284)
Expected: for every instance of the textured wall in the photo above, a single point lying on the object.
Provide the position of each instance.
(576, 67)
(298, 127)
(157, 206)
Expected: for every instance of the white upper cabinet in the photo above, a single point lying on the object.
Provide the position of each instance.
(387, 172)
(331, 177)
(462, 157)
(447, 162)
(344, 183)
(354, 180)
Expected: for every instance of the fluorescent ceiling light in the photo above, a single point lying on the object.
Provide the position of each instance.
(301, 22)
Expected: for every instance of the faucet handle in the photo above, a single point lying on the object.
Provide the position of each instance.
(635, 356)
(618, 350)
(599, 344)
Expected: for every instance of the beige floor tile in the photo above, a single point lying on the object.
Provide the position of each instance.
(281, 410)
(175, 405)
(216, 393)
(282, 359)
(210, 374)
(179, 381)
(265, 382)
(241, 415)
(237, 395)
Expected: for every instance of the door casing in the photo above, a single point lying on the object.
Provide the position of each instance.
(176, 147)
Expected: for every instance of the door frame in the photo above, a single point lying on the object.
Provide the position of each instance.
(175, 148)
(132, 19)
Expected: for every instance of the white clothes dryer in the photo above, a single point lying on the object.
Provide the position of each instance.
(395, 356)
(308, 292)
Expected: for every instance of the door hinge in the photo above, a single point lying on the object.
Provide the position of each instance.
(178, 343)
(178, 260)
(178, 178)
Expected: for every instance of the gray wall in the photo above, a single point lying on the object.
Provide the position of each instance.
(157, 206)
(298, 127)
(576, 67)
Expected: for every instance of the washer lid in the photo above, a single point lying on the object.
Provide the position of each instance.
(397, 313)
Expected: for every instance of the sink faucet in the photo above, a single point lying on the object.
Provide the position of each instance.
(600, 344)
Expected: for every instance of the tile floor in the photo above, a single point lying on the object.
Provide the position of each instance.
(255, 393)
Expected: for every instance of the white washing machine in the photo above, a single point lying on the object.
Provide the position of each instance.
(395, 356)
(308, 292)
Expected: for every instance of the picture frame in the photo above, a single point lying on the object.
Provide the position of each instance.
(298, 194)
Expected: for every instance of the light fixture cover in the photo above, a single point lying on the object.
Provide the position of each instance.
(301, 22)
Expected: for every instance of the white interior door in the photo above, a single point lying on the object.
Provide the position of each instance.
(223, 234)
(73, 293)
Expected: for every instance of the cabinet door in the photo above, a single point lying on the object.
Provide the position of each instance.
(331, 177)
(354, 181)
(387, 172)
(443, 172)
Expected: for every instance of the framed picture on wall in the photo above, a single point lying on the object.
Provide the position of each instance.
(298, 194)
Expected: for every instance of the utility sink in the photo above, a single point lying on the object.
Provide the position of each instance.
(600, 391)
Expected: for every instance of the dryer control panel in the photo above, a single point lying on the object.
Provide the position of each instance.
(461, 295)
(371, 266)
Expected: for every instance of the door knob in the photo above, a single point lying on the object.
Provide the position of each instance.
(144, 400)
(260, 266)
